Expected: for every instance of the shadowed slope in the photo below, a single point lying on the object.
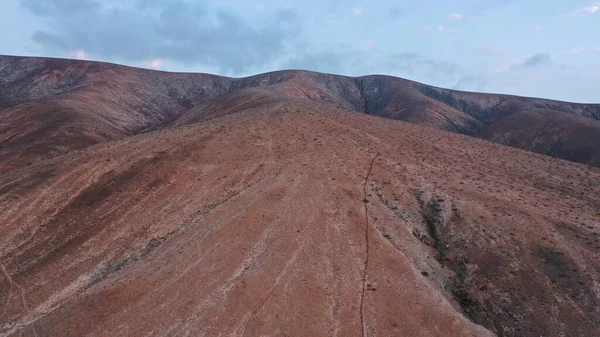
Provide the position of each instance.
(558, 129)
(254, 223)
(555, 134)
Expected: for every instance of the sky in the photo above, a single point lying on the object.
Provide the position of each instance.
(537, 48)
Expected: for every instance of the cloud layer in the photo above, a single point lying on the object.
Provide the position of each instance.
(175, 30)
(154, 34)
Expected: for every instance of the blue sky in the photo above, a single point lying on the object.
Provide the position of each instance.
(533, 48)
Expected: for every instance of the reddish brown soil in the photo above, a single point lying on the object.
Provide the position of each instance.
(253, 221)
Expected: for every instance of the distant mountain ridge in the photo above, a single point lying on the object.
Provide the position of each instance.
(51, 106)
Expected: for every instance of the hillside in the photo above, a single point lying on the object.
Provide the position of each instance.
(269, 206)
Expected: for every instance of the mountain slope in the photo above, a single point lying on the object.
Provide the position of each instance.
(555, 134)
(50, 106)
(296, 218)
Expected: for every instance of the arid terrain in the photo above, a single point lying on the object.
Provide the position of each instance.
(144, 203)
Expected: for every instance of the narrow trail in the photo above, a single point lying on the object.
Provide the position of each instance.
(364, 277)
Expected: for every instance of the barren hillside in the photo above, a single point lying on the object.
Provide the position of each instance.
(269, 206)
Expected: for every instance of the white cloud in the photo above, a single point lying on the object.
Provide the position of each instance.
(445, 29)
(158, 64)
(154, 64)
(538, 28)
(576, 51)
(592, 9)
(357, 11)
(370, 43)
(79, 54)
(457, 16)
(588, 10)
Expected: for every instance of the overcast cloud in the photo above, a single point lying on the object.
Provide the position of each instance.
(176, 30)
(187, 32)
